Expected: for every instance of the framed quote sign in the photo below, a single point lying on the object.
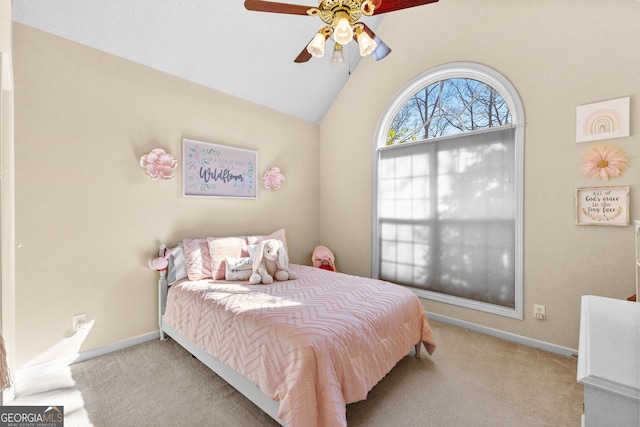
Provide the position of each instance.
(602, 206)
(211, 170)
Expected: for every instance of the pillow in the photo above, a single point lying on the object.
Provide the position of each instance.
(278, 234)
(221, 248)
(252, 250)
(238, 268)
(177, 265)
(197, 258)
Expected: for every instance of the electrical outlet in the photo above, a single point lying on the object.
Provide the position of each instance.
(79, 321)
(539, 311)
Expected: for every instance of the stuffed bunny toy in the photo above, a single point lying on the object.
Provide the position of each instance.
(270, 262)
(160, 262)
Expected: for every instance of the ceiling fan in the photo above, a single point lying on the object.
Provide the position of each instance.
(341, 19)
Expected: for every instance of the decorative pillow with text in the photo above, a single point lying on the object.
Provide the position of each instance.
(238, 268)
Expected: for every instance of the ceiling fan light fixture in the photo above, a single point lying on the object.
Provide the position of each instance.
(343, 32)
(338, 57)
(316, 46)
(341, 18)
(365, 43)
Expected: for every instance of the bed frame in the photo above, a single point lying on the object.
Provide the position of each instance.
(231, 376)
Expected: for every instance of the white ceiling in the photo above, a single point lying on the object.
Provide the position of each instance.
(215, 43)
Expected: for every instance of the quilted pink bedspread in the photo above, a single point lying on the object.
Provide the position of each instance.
(314, 344)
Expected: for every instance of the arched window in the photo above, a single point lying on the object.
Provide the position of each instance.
(448, 163)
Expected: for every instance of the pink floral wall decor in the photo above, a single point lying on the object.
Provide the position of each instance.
(273, 178)
(603, 162)
(159, 164)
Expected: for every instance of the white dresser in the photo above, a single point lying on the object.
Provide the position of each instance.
(609, 361)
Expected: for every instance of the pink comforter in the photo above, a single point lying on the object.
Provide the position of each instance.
(314, 344)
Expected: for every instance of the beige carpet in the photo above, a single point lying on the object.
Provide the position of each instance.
(471, 380)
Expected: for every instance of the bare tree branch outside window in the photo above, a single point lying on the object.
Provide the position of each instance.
(448, 107)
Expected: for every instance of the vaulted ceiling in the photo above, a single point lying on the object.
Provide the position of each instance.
(215, 43)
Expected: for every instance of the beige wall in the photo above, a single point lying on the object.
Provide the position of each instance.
(88, 218)
(558, 55)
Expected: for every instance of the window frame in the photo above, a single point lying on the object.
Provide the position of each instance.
(484, 74)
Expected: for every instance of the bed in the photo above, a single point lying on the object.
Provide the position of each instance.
(301, 349)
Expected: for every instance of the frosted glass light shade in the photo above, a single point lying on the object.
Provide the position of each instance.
(316, 46)
(343, 33)
(366, 44)
(338, 57)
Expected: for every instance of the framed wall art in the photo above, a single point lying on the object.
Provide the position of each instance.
(602, 206)
(212, 170)
(602, 120)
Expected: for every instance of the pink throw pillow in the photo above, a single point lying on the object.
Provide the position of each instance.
(197, 258)
(278, 235)
(225, 247)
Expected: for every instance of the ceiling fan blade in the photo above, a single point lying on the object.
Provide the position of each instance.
(382, 50)
(273, 7)
(303, 57)
(393, 5)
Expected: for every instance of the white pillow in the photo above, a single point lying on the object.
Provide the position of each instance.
(177, 265)
(252, 250)
(238, 268)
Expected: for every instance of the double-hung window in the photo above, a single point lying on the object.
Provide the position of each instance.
(448, 180)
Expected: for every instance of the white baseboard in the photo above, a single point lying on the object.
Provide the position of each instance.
(530, 342)
(53, 365)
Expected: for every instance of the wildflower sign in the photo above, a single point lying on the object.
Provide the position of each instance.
(218, 171)
(602, 206)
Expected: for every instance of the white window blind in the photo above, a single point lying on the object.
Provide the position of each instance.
(447, 215)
